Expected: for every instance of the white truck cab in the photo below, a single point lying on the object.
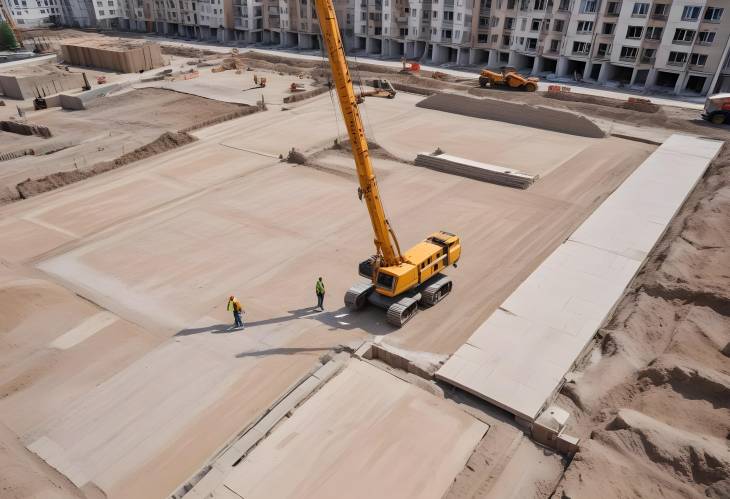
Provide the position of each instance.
(717, 109)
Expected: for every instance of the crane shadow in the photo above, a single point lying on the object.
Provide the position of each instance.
(280, 351)
(342, 319)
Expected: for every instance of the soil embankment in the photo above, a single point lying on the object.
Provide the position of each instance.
(652, 400)
(517, 114)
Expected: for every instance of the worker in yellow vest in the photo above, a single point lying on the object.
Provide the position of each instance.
(235, 305)
(319, 289)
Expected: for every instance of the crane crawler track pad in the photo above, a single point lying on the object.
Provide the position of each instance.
(402, 311)
(357, 296)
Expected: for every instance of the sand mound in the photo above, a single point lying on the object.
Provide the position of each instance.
(517, 114)
(692, 381)
(642, 107)
(704, 460)
(165, 142)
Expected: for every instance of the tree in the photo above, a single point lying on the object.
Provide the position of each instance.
(7, 38)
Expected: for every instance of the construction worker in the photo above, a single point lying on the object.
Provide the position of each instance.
(319, 289)
(235, 305)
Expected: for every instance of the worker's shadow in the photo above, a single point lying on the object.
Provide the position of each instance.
(214, 328)
(341, 319)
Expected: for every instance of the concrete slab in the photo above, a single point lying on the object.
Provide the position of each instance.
(85, 330)
(517, 358)
(327, 446)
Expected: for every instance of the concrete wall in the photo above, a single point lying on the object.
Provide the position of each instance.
(132, 60)
(25, 87)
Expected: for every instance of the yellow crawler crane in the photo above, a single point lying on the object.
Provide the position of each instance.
(399, 282)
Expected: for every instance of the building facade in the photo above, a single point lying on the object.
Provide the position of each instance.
(674, 46)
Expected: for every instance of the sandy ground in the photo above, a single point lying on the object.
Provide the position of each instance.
(110, 128)
(651, 399)
(222, 216)
(366, 432)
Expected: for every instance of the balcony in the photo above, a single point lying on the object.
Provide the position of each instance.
(647, 60)
(659, 17)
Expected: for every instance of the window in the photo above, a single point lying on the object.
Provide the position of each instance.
(613, 8)
(505, 40)
(495, 22)
(554, 45)
(414, 13)
(509, 22)
(683, 35)
(653, 33)
(523, 24)
(101, 12)
(535, 25)
(363, 16)
(691, 13)
(435, 14)
(648, 55)
(706, 37)
(484, 21)
(558, 25)
(458, 16)
(581, 47)
(110, 3)
(112, 12)
(608, 28)
(564, 5)
(587, 6)
(640, 9)
(482, 38)
(531, 43)
(448, 15)
(446, 34)
(604, 50)
(629, 53)
(495, 38)
(697, 59)
(677, 58)
(660, 10)
(634, 32)
(425, 14)
(713, 15)
(585, 26)
(539, 5)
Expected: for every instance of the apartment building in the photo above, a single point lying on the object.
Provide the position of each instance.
(34, 13)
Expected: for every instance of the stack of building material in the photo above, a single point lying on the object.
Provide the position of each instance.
(476, 170)
(123, 57)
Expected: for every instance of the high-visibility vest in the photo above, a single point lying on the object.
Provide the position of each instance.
(237, 307)
(320, 288)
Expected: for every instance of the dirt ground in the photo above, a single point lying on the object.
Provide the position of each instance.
(116, 365)
(111, 127)
(652, 399)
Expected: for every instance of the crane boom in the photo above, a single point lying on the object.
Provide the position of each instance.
(400, 283)
(386, 244)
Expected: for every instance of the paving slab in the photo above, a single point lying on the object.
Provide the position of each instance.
(367, 433)
(517, 358)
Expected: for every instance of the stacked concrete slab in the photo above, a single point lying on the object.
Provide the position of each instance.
(476, 170)
(123, 58)
(518, 357)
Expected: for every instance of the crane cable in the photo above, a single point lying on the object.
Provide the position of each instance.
(330, 85)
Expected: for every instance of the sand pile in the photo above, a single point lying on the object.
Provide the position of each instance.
(165, 142)
(652, 400)
(518, 114)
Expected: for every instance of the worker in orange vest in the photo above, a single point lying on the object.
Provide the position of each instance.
(235, 305)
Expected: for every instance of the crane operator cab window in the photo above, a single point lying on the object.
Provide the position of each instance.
(385, 281)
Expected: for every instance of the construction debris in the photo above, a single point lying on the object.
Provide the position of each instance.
(476, 170)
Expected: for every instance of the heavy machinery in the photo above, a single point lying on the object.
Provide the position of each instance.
(399, 282)
(381, 88)
(507, 77)
(717, 109)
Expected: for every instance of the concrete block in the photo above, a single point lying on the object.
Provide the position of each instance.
(328, 370)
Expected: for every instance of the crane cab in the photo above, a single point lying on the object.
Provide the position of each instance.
(421, 262)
